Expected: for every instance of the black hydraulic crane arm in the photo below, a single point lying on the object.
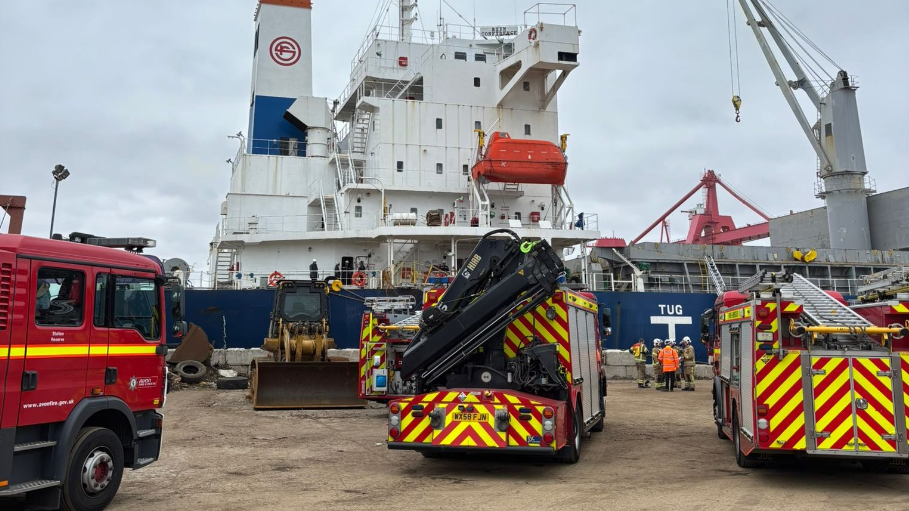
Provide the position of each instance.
(501, 280)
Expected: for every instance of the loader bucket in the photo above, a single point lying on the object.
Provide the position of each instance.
(302, 385)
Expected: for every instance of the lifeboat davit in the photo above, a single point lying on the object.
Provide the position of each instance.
(506, 160)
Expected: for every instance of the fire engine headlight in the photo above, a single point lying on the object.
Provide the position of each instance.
(547, 425)
(394, 420)
(763, 424)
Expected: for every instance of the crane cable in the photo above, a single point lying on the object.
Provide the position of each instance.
(735, 81)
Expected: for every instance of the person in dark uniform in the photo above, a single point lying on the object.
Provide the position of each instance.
(314, 270)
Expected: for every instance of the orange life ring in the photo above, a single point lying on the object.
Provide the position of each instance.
(532, 34)
(274, 278)
(358, 279)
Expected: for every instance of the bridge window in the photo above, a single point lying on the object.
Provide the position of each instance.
(461, 55)
(358, 211)
(438, 123)
(527, 129)
(477, 125)
(476, 81)
(400, 166)
(464, 169)
(479, 57)
(439, 169)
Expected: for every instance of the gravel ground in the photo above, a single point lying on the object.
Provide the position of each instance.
(658, 451)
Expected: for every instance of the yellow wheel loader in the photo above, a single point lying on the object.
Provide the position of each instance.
(298, 373)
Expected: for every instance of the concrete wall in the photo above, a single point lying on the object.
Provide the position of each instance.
(805, 229)
(888, 214)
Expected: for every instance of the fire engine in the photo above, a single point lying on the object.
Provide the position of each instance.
(797, 372)
(884, 298)
(505, 361)
(82, 348)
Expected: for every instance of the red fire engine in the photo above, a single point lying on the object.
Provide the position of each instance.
(797, 372)
(82, 347)
(504, 360)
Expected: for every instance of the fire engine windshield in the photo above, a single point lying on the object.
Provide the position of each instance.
(302, 305)
(136, 306)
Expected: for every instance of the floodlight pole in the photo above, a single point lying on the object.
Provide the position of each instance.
(54, 208)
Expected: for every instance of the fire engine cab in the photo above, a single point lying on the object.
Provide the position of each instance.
(797, 372)
(82, 348)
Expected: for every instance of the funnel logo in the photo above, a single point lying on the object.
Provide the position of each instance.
(284, 51)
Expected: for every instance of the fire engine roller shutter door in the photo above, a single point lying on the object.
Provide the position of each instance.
(725, 352)
(747, 372)
(576, 371)
(594, 383)
(586, 399)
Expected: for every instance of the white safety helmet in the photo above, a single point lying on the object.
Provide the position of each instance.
(657, 342)
(686, 340)
(670, 342)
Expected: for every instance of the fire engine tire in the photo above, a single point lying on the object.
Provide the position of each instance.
(600, 424)
(716, 418)
(191, 371)
(94, 470)
(740, 458)
(571, 453)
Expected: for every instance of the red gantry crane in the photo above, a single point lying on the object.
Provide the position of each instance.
(707, 225)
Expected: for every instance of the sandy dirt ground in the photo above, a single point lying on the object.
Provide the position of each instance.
(659, 451)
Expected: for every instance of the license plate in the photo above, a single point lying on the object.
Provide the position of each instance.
(470, 417)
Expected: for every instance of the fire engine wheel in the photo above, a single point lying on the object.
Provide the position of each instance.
(571, 453)
(94, 470)
(716, 418)
(191, 371)
(740, 458)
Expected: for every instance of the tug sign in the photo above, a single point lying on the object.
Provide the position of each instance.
(284, 51)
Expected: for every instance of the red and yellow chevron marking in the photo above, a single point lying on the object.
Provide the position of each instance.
(419, 430)
(369, 336)
(905, 371)
(791, 308)
(77, 350)
(876, 424)
(479, 431)
(374, 349)
(522, 330)
(778, 384)
(833, 417)
(900, 308)
(773, 320)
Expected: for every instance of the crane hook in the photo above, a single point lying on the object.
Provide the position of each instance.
(737, 103)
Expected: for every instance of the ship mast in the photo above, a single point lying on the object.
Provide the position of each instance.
(408, 14)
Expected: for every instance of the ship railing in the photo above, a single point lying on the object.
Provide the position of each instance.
(680, 283)
(274, 224)
(411, 177)
(273, 147)
(552, 13)
(257, 278)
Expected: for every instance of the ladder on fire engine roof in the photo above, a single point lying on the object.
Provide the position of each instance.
(715, 276)
(882, 281)
(819, 307)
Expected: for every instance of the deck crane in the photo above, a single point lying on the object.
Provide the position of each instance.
(836, 137)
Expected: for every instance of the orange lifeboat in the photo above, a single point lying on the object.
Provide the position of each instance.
(521, 161)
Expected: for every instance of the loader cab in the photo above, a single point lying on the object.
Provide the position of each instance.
(300, 301)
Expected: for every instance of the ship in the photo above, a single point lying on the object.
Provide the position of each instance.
(442, 136)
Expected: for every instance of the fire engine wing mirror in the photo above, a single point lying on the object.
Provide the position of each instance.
(607, 317)
(176, 301)
(179, 329)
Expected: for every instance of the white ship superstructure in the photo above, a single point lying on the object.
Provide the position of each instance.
(380, 178)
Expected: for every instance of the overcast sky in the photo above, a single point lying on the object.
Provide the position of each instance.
(136, 98)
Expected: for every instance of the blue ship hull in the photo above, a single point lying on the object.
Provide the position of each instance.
(239, 318)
